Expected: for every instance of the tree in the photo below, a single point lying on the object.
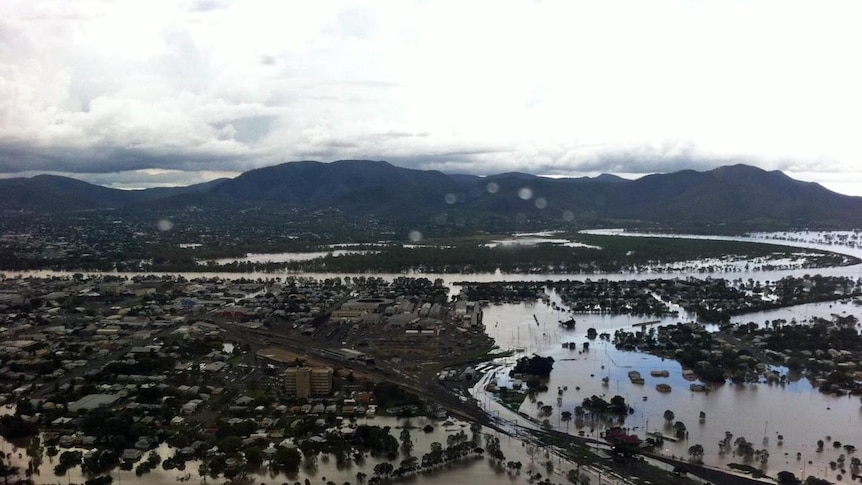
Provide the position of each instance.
(103, 480)
(679, 428)
(535, 366)
(618, 405)
(406, 442)
(287, 458)
(787, 478)
(744, 447)
(668, 415)
(566, 416)
(230, 444)
(254, 457)
(360, 478)
(383, 469)
(696, 452)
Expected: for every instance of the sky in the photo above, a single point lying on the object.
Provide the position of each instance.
(133, 94)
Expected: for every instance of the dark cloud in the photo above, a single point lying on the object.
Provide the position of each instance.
(106, 159)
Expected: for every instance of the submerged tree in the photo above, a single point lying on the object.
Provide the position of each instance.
(696, 453)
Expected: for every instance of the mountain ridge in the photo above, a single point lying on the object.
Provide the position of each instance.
(727, 194)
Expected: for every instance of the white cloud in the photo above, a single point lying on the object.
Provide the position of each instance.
(554, 87)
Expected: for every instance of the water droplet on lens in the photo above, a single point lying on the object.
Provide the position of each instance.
(492, 187)
(415, 236)
(164, 225)
(541, 203)
(451, 199)
(525, 193)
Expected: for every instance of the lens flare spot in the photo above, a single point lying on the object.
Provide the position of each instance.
(568, 216)
(525, 193)
(451, 198)
(164, 225)
(541, 203)
(415, 236)
(492, 187)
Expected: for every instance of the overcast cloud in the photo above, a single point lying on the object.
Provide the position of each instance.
(133, 94)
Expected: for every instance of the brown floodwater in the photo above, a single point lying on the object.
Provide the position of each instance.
(467, 472)
(796, 410)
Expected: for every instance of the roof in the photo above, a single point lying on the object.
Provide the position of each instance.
(93, 401)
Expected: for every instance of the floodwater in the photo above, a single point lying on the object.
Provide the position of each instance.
(450, 279)
(283, 257)
(796, 410)
(467, 472)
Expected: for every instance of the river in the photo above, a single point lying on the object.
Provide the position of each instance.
(450, 279)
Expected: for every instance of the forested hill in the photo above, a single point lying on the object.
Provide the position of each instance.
(737, 194)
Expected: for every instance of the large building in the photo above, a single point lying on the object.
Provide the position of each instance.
(305, 382)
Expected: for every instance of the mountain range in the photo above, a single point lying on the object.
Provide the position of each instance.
(726, 195)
